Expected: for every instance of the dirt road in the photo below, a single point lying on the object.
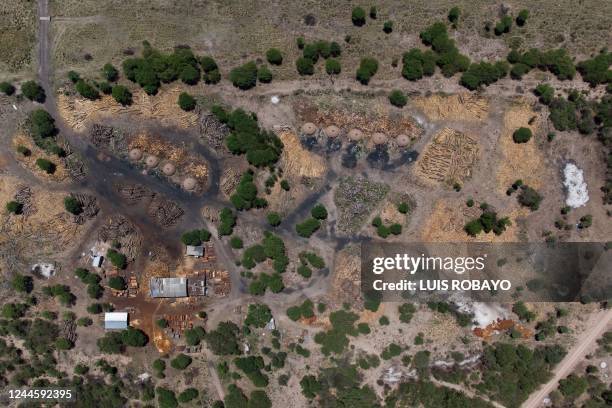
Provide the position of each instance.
(597, 325)
(467, 392)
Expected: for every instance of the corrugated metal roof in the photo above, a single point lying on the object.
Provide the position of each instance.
(168, 287)
(195, 250)
(115, 320)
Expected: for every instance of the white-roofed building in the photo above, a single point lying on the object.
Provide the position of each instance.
(115, 321)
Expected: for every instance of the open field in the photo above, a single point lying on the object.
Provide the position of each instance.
(18, 38)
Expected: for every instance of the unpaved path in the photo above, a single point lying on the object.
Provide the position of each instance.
(467, 392)
(598, 324)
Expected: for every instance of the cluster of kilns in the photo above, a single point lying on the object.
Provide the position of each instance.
(151, 162)
(354, 135)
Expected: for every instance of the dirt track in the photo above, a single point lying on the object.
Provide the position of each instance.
(598, 324)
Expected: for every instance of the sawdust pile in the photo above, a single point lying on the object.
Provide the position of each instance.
(346, 282)
(463, 106)
(519, 160)
(60, 174)
(45, 228)
(448, 158)
(77, 112)
(298, 162)
(447, 220)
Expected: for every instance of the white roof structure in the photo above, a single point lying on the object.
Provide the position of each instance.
(115, 320)
(196, 251)
(97, 261)
(168, 287)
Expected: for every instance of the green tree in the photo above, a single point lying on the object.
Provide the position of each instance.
(224, 339)
(258, 315)
(33, 91)
(264, 75)
(45, 165)
(304, 66)
(186, 102)
(521, 19)
(72, 205)
(86, 90)
(117, 259)
(236, 242)
(190, 75)
(22, 283)
(358, 16)
(7, 88)
(181, 362)
(274, 56)
(42, 125)
(117, 283)
(332, 66)
(319, 212)
(308, 227)
(522, 135)
(188, 395)
(367, 69)
(166, 398)
(110, 73)
(244, 76)
(397, 98)
(14, 207)
(259, 399)
(274, 218)
(122, 95)
(388, 27)
(453, 15)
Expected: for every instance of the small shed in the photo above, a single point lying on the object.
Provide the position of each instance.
(195, 250)
(115, 321)
(97, 261)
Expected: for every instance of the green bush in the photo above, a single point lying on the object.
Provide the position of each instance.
(522, 135)
(274, 219)
(453, 15)
(274, 56)
(110, 73)
(42, 125)
(122, 95)
(397, 98)
(188, 395)
(596, 70)
(503, 26)
(332, 66)
(33, 91)
(105, 88)
(236, 242)
(521, 19)
(45, 165)
(403, 207)
(545, 92)
(7, 88)
(308, 227)
(74, 76)
(304, 66)
(244, 76)
(358, 16)
(87, 91)
(190, 74)
(186, 101)
(195, 237)
(14, 207)
(319, 212)
(417, 63)
(264, 75)
(367, 69)
(483, 73)
(72, 205)
(388, 27)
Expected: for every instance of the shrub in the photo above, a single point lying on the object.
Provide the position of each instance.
(72, 205)
(332, 66)
(373, 13)
(122, 95)
(87, 91)
(285, 185)
(334, 49)
(483, 73)
(403, 207)
(397, 98)
(188, 395)
(42, 125)
(358, 16)
(417, 63)
(528, 197)
(264, 75)
(453, 15)
(367, 69)
(7, 88)
(274, 219)
(596, 71)
(388, 27)
(522, 135)
(304, 66)
(274, 56)
(308, 227)
(503, 26)
(189, 74)
(208, 64)
(105, 88)
(319, 212)
(186, 101)
(521, 19)
(195, 237)
(14, 207)
(545, 92)
(244, 76)
(110, 73)
(45, 165)
(33, 91)
(300, 42)
(73, 76)
(236, 242)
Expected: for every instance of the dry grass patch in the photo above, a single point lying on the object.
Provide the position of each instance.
(519, 160)
(61, 172)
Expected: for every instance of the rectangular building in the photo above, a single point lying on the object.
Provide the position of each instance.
(168, 287)
(115, 321)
